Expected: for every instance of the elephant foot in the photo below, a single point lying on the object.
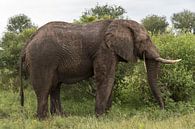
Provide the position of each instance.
(162, 107)
(42, 113)
(100, 115)
(108, 106)
(61, 113)
(161, 104)
(99, 112)
(65, 114)
(41, 116)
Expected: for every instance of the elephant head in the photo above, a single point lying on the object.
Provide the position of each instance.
(130, 41)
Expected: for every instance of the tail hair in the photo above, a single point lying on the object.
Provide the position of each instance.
(21, 82)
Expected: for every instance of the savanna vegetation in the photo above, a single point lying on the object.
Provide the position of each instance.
(133, 104)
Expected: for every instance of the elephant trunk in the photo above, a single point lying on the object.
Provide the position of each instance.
(153, 68)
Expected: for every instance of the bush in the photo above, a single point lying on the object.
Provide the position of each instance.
(131, 84)
(182, 46)
(9, 58)
(12, 44)
(176, 81)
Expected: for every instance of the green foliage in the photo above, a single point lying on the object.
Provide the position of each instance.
(101, 12)
(155, 24)
(181, 46)
(176, 81)
(184, 21)
(131, 84)
(9, 58)
(18, 23)
(7, 79)
(12, 44)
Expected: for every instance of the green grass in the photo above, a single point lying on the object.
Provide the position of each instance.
(12, 116)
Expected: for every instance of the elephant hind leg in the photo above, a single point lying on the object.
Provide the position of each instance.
(55, 102)
(42, 107)
(42, 84)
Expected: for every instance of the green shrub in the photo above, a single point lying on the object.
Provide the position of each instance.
(12, 44)
(9, 57)
(131, 84)
(7, 80)
(182, 46)
(175, 81)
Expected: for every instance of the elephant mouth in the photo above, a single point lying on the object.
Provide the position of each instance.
(142, 55)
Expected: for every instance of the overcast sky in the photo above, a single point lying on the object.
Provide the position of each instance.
(43, 11)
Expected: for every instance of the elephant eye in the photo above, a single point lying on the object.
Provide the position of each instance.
(148, 38)
(143, 41)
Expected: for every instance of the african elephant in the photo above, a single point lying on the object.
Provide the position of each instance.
(61, 52)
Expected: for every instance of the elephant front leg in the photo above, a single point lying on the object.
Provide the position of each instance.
(104, 76)
(109, 103)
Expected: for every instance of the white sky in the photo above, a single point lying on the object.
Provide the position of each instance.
(43, 11)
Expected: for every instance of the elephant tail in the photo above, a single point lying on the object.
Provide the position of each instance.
(21, 82)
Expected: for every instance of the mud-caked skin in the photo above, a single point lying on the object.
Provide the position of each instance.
(61, 52)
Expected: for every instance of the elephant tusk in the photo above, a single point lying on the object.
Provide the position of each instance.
(165, 61)
(144, 57)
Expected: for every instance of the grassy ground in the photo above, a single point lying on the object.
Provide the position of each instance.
(82, 115)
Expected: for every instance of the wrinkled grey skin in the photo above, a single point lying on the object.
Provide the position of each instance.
(61, 52)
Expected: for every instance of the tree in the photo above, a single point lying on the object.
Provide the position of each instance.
(18, 23)
(155, 24)
(184, 21)
(102, 12)
(19, 29)
(12, 43)
(9, 58)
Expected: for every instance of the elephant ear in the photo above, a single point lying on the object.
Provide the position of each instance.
(121, 39)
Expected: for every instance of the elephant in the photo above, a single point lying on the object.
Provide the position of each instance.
(61, 52)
